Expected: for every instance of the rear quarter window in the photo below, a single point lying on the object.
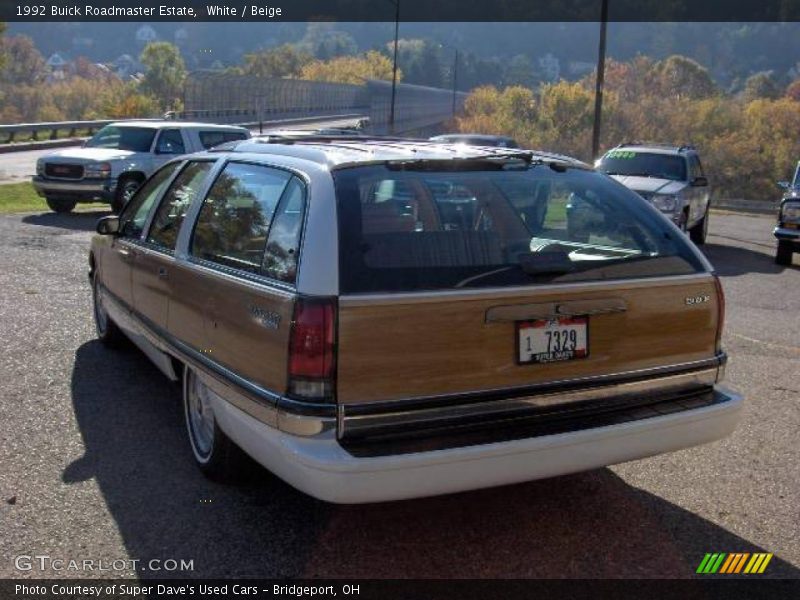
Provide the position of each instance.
(251, 221)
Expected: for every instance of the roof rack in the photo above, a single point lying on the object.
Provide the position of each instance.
(678, 147)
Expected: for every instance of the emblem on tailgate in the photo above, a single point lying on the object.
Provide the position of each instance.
(701, 299)
(267, 318)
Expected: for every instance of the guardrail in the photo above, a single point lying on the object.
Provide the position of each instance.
(55, 127)
(242, 118)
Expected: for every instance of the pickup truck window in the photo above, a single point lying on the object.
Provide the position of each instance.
(236, 215)
(170, 141)
(172, 210)
(133, 139)
(135, 214)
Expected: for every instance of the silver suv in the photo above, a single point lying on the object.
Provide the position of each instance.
(112, 165)
(671, 178)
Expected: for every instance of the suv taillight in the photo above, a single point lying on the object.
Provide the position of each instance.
(312, 350)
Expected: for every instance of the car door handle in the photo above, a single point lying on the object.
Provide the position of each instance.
(163, 273)
(126, 254)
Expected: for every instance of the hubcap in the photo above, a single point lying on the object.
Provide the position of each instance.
(200, 416)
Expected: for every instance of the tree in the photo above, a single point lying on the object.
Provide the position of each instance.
(793, 90)
(682, 77)
(165, 73)
(23, 63)
(761, 85)
(350, 69)
(284, 61)
(2, 54)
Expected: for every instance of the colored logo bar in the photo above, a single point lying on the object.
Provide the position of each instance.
(734, 563)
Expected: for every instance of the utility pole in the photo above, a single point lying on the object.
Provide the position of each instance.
(394, 65)
(601, 72)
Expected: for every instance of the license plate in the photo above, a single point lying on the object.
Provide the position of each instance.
(551, 340)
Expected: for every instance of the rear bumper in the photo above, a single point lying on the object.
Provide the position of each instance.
(82, 190)
(321, 467)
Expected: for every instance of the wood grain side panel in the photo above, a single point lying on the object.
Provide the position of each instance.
(421, 349)
(241, 326)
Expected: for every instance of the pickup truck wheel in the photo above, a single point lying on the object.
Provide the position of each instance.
(214, 452)
(699, 232)
(784, 254)
(60, 205)
(125, 191)
(107, 331)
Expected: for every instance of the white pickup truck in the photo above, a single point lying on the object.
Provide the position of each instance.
(112, 165)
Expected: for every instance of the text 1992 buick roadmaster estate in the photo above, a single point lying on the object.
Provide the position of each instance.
(382, 319)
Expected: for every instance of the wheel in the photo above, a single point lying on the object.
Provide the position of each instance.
(60, 205)
(699, 232)
(107, 331)
(784, 254)
(125, 191)
(214, 452)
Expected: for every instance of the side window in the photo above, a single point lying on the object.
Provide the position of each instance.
(170, 142)
(135, 214)
(698, 168)
(232, 227)
(283, 243)
(172, 210)
(209, 139)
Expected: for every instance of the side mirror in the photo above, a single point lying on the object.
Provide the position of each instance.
(108, 225)
(700, 182)
(785, 185)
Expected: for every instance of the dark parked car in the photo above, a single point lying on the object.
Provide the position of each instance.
(788, 230)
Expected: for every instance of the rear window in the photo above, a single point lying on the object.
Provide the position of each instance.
(209, 139)
(644, 164)
(406, 230)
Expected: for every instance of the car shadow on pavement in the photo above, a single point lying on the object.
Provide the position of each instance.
(589, 525)
(77, 221)
(734, 260)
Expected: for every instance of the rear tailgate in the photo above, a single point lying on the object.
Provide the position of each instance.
(403, 346)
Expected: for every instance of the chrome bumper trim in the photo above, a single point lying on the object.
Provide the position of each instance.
(786, 234)
(369, 419)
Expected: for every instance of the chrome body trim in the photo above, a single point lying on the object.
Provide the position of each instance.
(362, 419)
(426, 297)
(553, 310)
(782, 233)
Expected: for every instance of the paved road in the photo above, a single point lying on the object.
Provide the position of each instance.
(95, 463)
(21, 166)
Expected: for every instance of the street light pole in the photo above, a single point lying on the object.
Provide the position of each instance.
(394, 65)
(601, 71)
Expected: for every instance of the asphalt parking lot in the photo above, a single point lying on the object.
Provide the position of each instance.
(94, 463)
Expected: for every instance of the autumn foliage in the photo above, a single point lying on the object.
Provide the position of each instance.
(747, 143)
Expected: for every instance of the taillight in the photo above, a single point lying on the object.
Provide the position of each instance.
(721, 309)
(312, 350)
